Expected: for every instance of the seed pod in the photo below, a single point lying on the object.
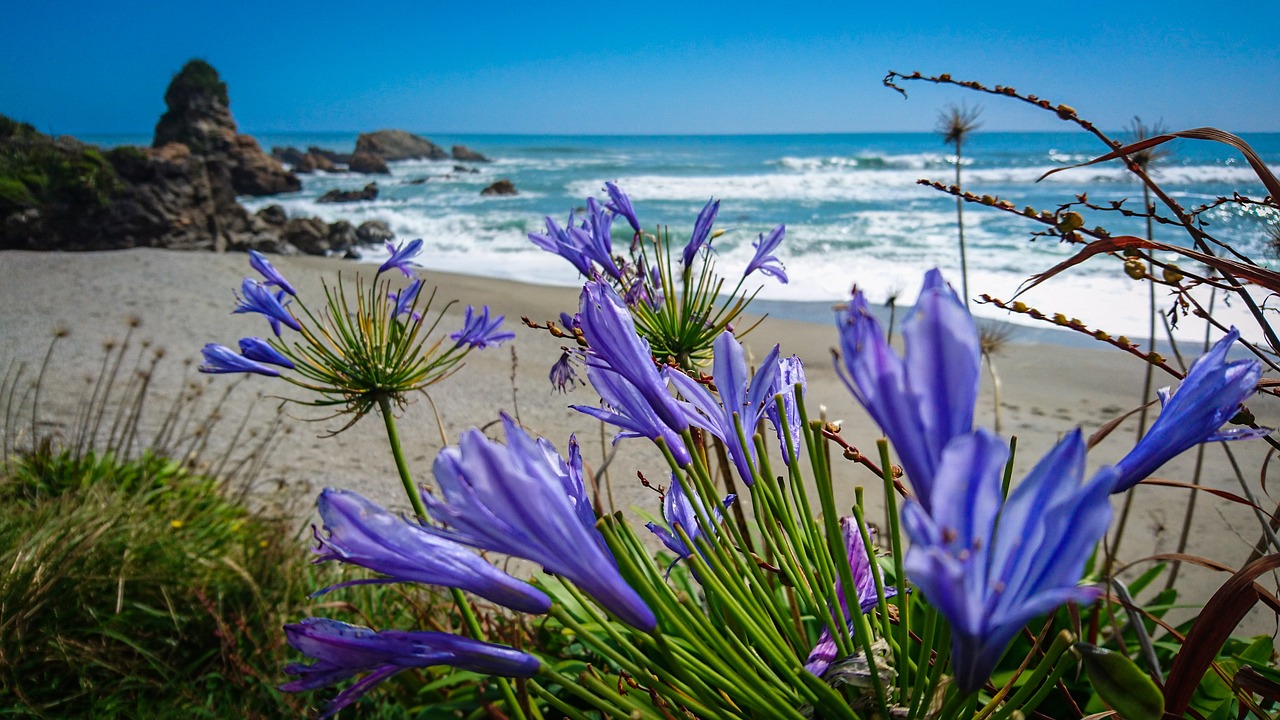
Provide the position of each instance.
(1070, 222)
(1134, 268)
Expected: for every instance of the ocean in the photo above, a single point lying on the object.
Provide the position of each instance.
(853, 210)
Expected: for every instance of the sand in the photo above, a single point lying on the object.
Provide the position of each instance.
(184, 300)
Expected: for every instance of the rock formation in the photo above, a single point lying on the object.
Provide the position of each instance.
(66, 195)
(368, 164)
(62, 194)
(199, 116)
(373, 232)
(501, 187)
(466, 154)
(368, 192)
(399, 145)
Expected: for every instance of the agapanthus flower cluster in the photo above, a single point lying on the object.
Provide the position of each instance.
(991, 564)
(675, 300)
(521, 499)
(356, 358)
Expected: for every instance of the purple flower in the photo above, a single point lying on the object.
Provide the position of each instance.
(404, 299)
(478, 331)
(562, 375)
(222, 359)
(342, 651)
(522, 499)
(1208, 397)
(402, 258)
(924, 401)
(790, 374)
(643, 285)
(678, 509)
(989, 565)
(620, 204)
(257, 349)
(620, 367)
(255, 297)
(630, 411)
(595, 240)
(763, 260)
(742, 400)
(259, 262)
(864, 582)
(362, 533)
(558, 240)
(701, 231)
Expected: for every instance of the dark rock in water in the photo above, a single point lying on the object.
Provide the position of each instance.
(310, 235)
(418, 181)
(466, 154)
(399, 145)
(373, 232)
(290, 155)
(199, 116)
(333, 157)
(342, 236)
(502, 187)
(368, 192)
(273, 215)
(368, 163)
(319, 162)
(465, 169)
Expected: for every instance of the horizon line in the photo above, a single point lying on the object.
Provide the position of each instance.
(427, 134)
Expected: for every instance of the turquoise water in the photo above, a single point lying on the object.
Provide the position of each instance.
(853, 210)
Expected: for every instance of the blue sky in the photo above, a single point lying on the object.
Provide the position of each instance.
(637, 68)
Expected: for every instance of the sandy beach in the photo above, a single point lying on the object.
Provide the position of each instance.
(184, 300)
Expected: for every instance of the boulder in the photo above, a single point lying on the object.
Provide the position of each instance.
(319, 162)
(399, 145)
(418, 181)
(342, 236)
(466, 154)
(501, 187)
(368, 164)
(289, 155)
(199, 116)
(373, 232)
(368, 192)
(309, 235)
(335, 158)
(273, 215)
(465, 169)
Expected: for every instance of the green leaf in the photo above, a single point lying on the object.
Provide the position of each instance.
(1118, 681)
(1137, 586)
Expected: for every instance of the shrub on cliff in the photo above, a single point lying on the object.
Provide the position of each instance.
(37, 171)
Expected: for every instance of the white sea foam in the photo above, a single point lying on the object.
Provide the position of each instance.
(851, 218)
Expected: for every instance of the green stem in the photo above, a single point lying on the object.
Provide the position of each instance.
(419, 508)
(899, 572)
(1041, 681)
(393, 438)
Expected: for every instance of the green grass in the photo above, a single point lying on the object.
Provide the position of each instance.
(137, 589)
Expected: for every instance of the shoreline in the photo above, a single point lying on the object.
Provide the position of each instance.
(184, 300)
